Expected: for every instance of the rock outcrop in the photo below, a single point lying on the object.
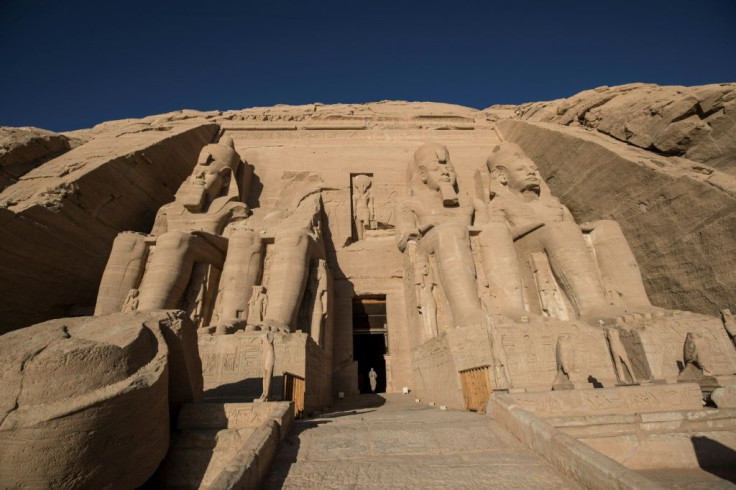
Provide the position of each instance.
(23, 149)
(697, 123)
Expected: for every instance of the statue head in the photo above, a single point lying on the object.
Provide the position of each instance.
(510, 167)
(362, 182)
(431, 167)
(211, 176)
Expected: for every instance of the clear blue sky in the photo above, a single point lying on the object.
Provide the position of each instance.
(72, 64)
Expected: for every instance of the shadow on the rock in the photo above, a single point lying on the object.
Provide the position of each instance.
(715, 458)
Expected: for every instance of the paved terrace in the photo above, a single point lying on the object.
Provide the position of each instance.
(397, 443)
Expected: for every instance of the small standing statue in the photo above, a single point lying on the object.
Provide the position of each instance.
(425, 286)
(362, 204)
(620, 357)
(257, 306)
(319, 313)
(565, 354)
(695, 354)
(373, 379)
(131, 301)
(269, 360)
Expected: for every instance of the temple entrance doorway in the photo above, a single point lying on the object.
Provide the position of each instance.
(370, 340)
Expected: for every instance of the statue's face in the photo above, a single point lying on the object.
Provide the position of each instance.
(523, 175)
(436, 173)
(208, 174)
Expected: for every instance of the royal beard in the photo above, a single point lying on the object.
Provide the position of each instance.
(191, 196)
(449, 196)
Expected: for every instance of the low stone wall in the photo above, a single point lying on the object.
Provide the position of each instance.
(225, 445)
(591, 468)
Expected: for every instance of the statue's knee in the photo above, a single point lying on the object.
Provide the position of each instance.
(608, 228)
(173, 240)
(244, 238)
(291, 238)
(128, 242)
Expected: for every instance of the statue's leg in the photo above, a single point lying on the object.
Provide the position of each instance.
(451, 246)
(170, 268)
(630, 369)
(242, 271)
(123, 272)
(617, 263)
(287, 277)
(429, 312)
(575, 269)
(501, 268)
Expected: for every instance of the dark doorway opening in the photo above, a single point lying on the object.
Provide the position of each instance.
(370, 340)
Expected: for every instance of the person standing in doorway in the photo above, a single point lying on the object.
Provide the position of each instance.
(373, 378)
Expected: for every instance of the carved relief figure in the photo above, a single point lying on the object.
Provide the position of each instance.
(257, 306)
(424, 287)
(186, 231)
(363, 209)
(522, 203)
(620, 357)
(437, 217)
(131, 301)
(269, 361)
(565, 356)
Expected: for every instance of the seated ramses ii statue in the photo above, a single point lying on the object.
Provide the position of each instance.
(437, 217)
(520, 205)
(294, 227)
(186, 240)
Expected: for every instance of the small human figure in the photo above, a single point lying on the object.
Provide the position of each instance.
(620, 356)
(565, 355)
(269, 360)
(373, 379)
(362, 204)
(131, 301)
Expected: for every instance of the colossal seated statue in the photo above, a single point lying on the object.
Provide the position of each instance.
(186, 239)
(293, 226)
(437, 217)
(519, 208)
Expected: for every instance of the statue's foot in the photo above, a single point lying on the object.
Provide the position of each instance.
(622, 315)
(276, 326)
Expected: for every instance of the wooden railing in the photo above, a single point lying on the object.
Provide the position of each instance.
(476, 388)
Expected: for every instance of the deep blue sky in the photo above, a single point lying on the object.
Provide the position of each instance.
(72, 64)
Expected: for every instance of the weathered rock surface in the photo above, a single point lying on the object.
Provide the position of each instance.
(58, 221)
(84, 402)
(23, 149)
(695, 122)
